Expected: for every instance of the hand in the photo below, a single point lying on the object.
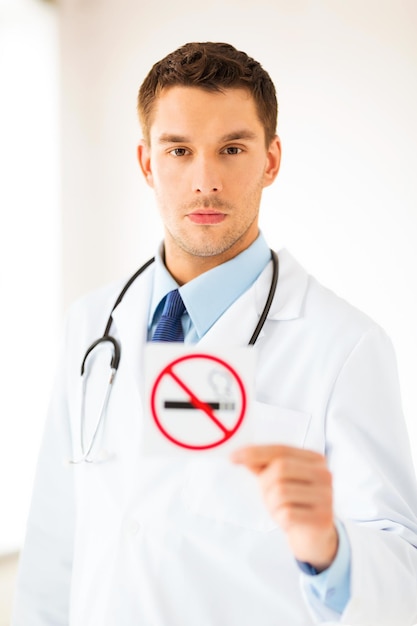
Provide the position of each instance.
(297, 489)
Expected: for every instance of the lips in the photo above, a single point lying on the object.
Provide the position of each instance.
(203, 216)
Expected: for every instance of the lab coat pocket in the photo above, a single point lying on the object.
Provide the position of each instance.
(277, 425)
(217, 489)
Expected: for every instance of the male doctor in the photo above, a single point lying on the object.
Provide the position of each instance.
(316, 522)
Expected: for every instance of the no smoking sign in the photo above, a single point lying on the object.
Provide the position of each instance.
(197, 401)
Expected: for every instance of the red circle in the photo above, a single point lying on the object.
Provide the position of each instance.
(167, 370)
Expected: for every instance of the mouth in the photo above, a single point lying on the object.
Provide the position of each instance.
(206, 216)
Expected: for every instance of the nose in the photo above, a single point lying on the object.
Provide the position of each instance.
(206, 176)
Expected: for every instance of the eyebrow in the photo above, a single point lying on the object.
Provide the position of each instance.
(238, 135)
(167, 138)
(234, 136)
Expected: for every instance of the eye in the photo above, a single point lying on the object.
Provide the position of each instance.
(232, 150)
(179, 152)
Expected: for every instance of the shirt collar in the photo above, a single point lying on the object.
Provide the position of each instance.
(210, 294)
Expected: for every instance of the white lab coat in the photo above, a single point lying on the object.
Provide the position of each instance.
(189, 542)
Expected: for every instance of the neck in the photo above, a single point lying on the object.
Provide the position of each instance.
(184, 266)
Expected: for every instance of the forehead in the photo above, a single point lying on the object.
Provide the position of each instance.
(185, 110)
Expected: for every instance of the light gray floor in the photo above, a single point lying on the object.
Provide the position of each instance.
(8, 570)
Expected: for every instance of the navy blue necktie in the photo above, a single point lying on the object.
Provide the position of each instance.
(169, 327)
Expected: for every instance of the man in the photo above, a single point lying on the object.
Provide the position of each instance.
(316, 521)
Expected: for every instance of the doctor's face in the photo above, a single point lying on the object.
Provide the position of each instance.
(208, 163)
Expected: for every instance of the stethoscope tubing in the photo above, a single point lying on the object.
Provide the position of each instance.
(268, 303)
(116, 353)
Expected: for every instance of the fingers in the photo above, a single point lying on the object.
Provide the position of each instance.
(256, 458)
(289, 477)
(297, 494)
(297, 489)
(295, 470)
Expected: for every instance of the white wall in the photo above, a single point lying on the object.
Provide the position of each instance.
(344, 203)
(29, 247)
(345, 200)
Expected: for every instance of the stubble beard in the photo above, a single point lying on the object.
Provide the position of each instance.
(205, 245)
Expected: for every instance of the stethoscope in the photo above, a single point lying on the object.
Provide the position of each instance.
(106, 338)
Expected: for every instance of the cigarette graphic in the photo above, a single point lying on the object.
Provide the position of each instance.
(217, 406)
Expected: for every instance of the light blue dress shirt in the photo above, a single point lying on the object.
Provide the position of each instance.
(206, 298)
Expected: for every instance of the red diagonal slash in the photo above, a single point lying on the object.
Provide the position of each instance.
(198, 404)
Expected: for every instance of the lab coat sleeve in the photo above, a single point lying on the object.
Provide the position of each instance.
(374, 485)
(43, 583)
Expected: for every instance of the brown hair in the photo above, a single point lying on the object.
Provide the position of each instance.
(214, 67)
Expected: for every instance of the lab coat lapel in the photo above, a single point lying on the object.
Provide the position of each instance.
(291, 289)
(237, 324)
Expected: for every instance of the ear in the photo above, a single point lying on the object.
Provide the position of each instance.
(144, 159)
(273, 161)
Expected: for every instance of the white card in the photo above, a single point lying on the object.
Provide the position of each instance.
(197, 401)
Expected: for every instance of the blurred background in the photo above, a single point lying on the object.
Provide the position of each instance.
(75, 213)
